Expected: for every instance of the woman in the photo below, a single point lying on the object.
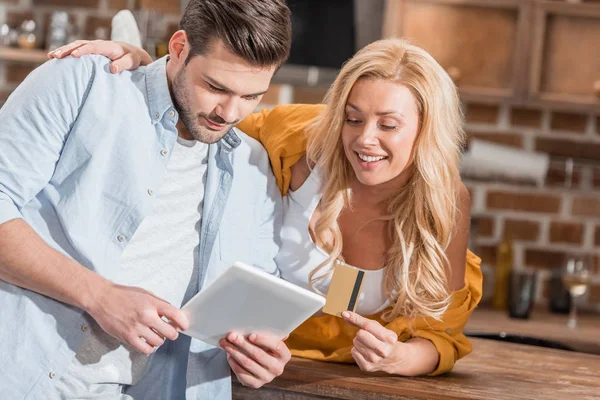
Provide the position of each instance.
(373, 181)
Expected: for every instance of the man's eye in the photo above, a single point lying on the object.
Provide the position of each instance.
(252, 97)
(215, 89)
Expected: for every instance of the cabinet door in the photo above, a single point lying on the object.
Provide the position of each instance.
(481, 43)
(565, 68)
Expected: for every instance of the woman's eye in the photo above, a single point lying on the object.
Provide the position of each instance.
(388, 127)
(351, 121)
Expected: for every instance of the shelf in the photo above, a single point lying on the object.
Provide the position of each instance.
(35, 56)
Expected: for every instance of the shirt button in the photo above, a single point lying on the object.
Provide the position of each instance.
(156, 115)
(121, 238)
(84, 328)
(150, 192)
(164, 152)
(52, 375)
(171, 113)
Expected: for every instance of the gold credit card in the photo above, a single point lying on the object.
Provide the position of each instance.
(344, 289)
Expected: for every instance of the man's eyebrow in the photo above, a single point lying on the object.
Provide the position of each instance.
(219, 85)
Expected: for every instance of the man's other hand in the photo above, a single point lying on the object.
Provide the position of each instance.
(257, 359)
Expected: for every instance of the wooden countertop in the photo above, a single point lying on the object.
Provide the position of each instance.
(541, 325)
(494, 371)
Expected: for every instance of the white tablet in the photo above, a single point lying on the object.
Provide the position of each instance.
(247, 300)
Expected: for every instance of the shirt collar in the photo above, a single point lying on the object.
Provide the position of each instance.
(157, 87)
(231, 139)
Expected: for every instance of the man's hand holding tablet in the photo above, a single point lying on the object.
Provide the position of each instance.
(256, 359)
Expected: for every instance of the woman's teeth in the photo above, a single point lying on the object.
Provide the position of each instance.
(370, 158)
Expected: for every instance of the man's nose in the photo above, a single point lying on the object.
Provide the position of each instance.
(228, 110)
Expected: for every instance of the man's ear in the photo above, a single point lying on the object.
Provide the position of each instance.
(178, 48)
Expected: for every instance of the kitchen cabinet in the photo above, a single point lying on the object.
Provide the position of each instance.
(532, 53)
(565, 67)
(480, 43)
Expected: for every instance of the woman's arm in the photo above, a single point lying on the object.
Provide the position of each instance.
(300, 172)
(124, 56)
(376, 348)
(423, 357)
(282, 131)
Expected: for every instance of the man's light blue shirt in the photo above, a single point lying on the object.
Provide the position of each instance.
(80, 149)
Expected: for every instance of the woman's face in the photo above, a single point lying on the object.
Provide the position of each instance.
(380, 129)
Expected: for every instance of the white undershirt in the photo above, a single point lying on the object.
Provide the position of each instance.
(162, 258)
(299, 255)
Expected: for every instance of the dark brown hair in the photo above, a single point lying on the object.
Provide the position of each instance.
(259, 31)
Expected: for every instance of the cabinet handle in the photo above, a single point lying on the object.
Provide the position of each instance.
(597, 88)
(454, 73)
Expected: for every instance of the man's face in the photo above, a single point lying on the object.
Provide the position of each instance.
(215, 91)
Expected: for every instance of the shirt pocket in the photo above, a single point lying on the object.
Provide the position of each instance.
(94, 183)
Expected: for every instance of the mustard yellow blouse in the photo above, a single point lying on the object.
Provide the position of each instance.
(328, 338)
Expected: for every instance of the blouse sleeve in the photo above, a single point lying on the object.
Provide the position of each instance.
(282, 131)
(447, 335)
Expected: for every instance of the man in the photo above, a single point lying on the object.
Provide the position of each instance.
(121, 196)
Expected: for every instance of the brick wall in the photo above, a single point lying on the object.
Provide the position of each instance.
(548, 223)
(545, 224)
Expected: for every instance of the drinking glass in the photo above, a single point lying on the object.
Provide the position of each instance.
(576, 278)
(521, 293)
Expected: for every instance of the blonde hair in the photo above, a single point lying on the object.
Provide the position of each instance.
(422, 215)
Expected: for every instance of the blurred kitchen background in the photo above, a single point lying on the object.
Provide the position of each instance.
(529, 77)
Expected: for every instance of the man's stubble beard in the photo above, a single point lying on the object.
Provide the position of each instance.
(188, 117)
